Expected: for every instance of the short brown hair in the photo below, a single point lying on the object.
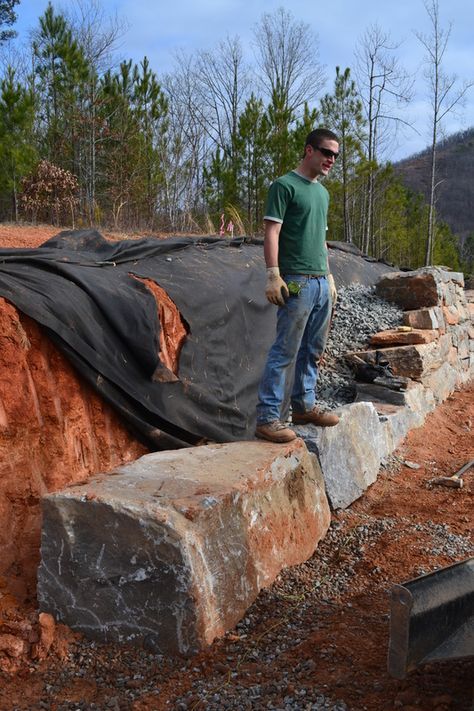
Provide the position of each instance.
(315, 137)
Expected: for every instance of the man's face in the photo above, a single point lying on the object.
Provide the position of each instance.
(319, 163)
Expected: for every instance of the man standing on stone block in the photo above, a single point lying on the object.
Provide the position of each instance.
(299, 283)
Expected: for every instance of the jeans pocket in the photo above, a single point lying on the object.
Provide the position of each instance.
(295, 283)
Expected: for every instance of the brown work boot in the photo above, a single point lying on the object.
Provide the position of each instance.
(315, 417)
(275, 431)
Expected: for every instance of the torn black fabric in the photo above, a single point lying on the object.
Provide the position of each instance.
(83, 290)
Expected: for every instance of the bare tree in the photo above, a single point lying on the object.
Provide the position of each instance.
(445, 95)
(222, 83)
(287, 56)
(385, 88)
(187, 147)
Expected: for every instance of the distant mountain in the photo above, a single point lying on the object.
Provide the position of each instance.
(455, 194)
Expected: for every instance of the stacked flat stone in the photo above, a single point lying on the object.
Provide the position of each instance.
(435, 353)
(439, 350)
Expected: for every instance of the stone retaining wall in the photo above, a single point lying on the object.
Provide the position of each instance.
(171, 550)
(435, 351)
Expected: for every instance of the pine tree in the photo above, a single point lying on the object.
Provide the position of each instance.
(17, 153)
(252, 150)
(342, 112)
(61, 72)
(120, 167)
(7, 18)
(150, 109)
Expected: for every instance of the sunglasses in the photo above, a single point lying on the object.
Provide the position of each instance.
(326, 152)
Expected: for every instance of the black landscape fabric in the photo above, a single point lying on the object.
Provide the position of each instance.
(83, 290)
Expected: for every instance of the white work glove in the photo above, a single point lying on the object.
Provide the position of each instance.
(276, 290)
(332, 289)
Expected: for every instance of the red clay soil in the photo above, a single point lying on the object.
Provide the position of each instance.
(27, 236)
(54, 430)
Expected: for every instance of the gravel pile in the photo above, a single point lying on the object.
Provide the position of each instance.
(359, 314)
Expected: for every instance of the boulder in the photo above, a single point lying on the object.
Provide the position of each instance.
(171, 550)
(349, 453)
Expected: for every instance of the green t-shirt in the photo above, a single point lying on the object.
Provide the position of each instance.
(301, 205)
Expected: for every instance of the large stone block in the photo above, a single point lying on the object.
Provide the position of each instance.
(412, 361)
(419, 401)
(410, 290)
(442, 381)
(429, 318)
(171, 550)
(349, 453)
(430, 286)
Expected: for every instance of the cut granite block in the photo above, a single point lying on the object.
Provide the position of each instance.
(349, 453)
(412, 361)
(172, 549)
(429, 318)
(442, 382)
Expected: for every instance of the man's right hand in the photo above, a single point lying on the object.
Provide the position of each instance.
(276, 289)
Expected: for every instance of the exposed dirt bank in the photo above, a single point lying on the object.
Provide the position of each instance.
(54, 430)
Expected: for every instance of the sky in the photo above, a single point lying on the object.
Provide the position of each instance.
(159, 28)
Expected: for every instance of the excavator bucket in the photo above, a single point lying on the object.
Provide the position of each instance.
(432, 618)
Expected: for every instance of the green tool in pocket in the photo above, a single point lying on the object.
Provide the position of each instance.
(294, 288)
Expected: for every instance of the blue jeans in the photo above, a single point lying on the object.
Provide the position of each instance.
(302, 330)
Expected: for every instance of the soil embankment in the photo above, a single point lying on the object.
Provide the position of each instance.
(54, 430)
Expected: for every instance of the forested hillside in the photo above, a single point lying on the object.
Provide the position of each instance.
(455, 192)
(89, 140)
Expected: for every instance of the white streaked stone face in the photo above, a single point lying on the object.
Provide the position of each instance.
(171, 550)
